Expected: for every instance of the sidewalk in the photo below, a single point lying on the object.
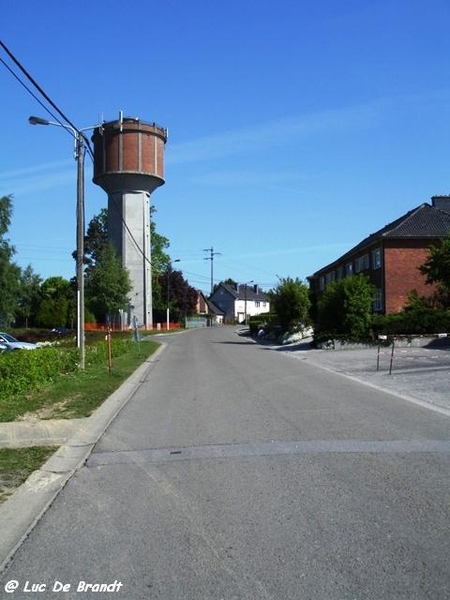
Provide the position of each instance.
(53, 432)
(419, 374)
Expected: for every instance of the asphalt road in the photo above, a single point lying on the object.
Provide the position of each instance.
(236, 472)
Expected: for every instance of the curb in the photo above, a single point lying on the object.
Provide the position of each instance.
(22, 511)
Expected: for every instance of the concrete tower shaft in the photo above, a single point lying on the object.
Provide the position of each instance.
(129, 166)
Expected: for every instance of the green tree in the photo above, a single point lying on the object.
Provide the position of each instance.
(29, 297)
(107, 285)
(160, 261)
(96, 238)
(57, 295)
(9, 271)
(231, 282)
(437, 271)
(345, 308)
(182, 296)
(290, 302)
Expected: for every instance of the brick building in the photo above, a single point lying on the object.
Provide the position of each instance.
(391, 256)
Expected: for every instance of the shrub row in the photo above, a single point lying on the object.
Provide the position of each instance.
(414, 322)
(23, 371)
(265, 320)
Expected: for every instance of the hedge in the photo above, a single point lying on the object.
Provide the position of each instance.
(25, 370)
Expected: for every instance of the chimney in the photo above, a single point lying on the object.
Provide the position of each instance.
(441, 202)
(256, 289)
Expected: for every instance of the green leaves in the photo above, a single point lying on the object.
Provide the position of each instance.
(345, 307)
(437, 271)
(9, 272)
(290, 301)
(107, 284)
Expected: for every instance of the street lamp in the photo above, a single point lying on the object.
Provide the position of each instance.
(245, 301)
(80, 139)
(169, 271)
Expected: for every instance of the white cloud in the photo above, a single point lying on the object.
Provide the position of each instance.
(274, 133)
(298, 250)
(37, 178)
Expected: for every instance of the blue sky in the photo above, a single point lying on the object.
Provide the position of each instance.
(295, 128)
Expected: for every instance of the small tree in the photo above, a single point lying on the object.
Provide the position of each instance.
(182, 296)
(345, 308)
(29, 297)
(96, 238)
(9, 271)
(437, 270)
(56, 293)
(231, 282)
(290, 302)
(107, 284)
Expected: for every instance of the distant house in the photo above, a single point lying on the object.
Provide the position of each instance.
(206, 307)
(240, 301)
(391, 256)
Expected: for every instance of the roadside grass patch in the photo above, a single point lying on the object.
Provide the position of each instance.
(68, 393)
(17, 464)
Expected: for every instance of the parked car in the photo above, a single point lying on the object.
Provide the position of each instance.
(62, 330)
(3, 347)
(11, 343)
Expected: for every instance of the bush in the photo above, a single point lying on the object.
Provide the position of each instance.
(345, 309)
(412, 322)
(291, 303)
(25, 370)
(264, 320)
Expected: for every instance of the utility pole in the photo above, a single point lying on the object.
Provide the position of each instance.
(79, 140)
(211, 256)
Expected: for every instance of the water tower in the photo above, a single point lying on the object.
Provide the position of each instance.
(129, 166)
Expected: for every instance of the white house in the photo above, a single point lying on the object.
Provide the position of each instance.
(240, 302)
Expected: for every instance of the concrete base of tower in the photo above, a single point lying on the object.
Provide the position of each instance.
(129, 232)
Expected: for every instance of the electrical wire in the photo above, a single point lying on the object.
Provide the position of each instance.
(88, 146)
(37, 86)
(33, 95)
(133, 239)
(47, 98)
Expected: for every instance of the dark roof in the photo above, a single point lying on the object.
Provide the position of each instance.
(423, 222)
(244, 292)
(214, 309)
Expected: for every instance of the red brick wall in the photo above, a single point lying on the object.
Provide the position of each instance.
(137, 147)
(401, 260)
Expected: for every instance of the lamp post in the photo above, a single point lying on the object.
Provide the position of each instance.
(79, 157)
(245, 301)
(169, 271)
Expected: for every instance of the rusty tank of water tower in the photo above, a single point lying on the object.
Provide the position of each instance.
(129, 166)
(129, 154)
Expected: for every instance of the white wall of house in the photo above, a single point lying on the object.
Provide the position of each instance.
(253, 308)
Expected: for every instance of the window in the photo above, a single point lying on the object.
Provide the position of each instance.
(329, 278)
(362, 263)
(349, 269)
(376, 258)
(378, 300)
(321, 284)
(339, 273)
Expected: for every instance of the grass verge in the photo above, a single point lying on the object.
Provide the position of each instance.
(71, 396)
(76, 394)
(17, 464)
